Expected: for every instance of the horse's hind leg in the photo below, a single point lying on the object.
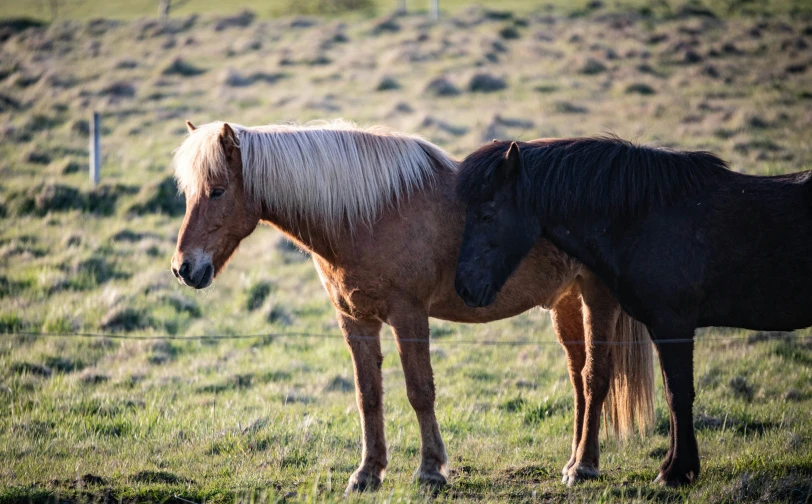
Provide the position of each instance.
(568, 323)
(600, 314)
(363, 339)
(411, 328)
(676, 350)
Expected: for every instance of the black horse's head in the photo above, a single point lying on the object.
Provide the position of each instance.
(498, 231)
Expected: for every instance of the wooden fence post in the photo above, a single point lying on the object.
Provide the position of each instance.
(435, 9)
(95, 149)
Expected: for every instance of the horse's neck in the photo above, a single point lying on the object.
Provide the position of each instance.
(315, 239)
(305, 235)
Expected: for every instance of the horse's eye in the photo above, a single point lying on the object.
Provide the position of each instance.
(486, 217)
(216, 193)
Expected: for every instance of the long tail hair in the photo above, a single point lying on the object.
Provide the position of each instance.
(630, 400)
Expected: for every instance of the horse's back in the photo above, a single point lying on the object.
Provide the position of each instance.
(738, 255)
(761, 265)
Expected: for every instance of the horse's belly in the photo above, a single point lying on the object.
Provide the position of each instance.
(457, 311)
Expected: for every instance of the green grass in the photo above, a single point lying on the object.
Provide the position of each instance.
(274, 418)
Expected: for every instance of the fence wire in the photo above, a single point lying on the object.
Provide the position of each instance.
(749, 338)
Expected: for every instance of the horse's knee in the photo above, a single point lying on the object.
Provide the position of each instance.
(595, 380)
(369, 400)
(420, 397)
(368, 390)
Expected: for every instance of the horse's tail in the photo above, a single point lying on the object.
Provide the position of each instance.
(631, 390)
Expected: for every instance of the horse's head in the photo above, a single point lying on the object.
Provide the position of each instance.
(498, 233)
(219, 214)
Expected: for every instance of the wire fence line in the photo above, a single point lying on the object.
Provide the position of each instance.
(750, 338)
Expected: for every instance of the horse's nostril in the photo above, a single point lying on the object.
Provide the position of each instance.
(184, 269)
(461, 290)
(175, 272)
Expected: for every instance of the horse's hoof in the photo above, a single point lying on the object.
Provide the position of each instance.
(433, 479)
(362, 482)
(580, 473)
(673, 480)
(566, 469)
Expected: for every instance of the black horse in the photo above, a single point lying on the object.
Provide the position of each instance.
(682, 241)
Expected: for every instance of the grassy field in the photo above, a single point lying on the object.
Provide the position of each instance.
(85, 10)
(179, 419)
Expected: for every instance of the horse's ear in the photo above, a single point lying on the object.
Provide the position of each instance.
(227, 134)
(230, 145)
(190, 126)
(228, 139)
(512, 163)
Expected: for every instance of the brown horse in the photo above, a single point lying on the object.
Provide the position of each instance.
(376, 210)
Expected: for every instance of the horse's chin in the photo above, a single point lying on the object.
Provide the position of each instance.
(487, 295)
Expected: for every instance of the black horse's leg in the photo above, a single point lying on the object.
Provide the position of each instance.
(671, 429)
(676, 351)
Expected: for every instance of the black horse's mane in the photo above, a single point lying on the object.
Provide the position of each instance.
(604, 176)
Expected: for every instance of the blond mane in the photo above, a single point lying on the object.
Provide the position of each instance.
(329, 173)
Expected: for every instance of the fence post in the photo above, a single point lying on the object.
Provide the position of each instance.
(163, 9)
(401, 7)
(95, 149)
(435, 9)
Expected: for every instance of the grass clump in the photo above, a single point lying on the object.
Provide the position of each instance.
(159, 197)
(322, 7)
(257, 294)
(125, 319)
(641, 89)
(11, 322)
(181, 67)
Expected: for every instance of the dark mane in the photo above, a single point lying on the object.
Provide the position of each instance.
(604, 176)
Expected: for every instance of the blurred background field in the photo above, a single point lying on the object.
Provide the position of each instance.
(84, 10)
(272, 418)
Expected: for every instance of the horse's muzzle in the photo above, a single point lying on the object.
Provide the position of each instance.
(475, 298)
(198, 278)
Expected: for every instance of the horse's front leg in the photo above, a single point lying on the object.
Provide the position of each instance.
(568, 323)
(363, 339)
(411, 328)
(600, 314)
